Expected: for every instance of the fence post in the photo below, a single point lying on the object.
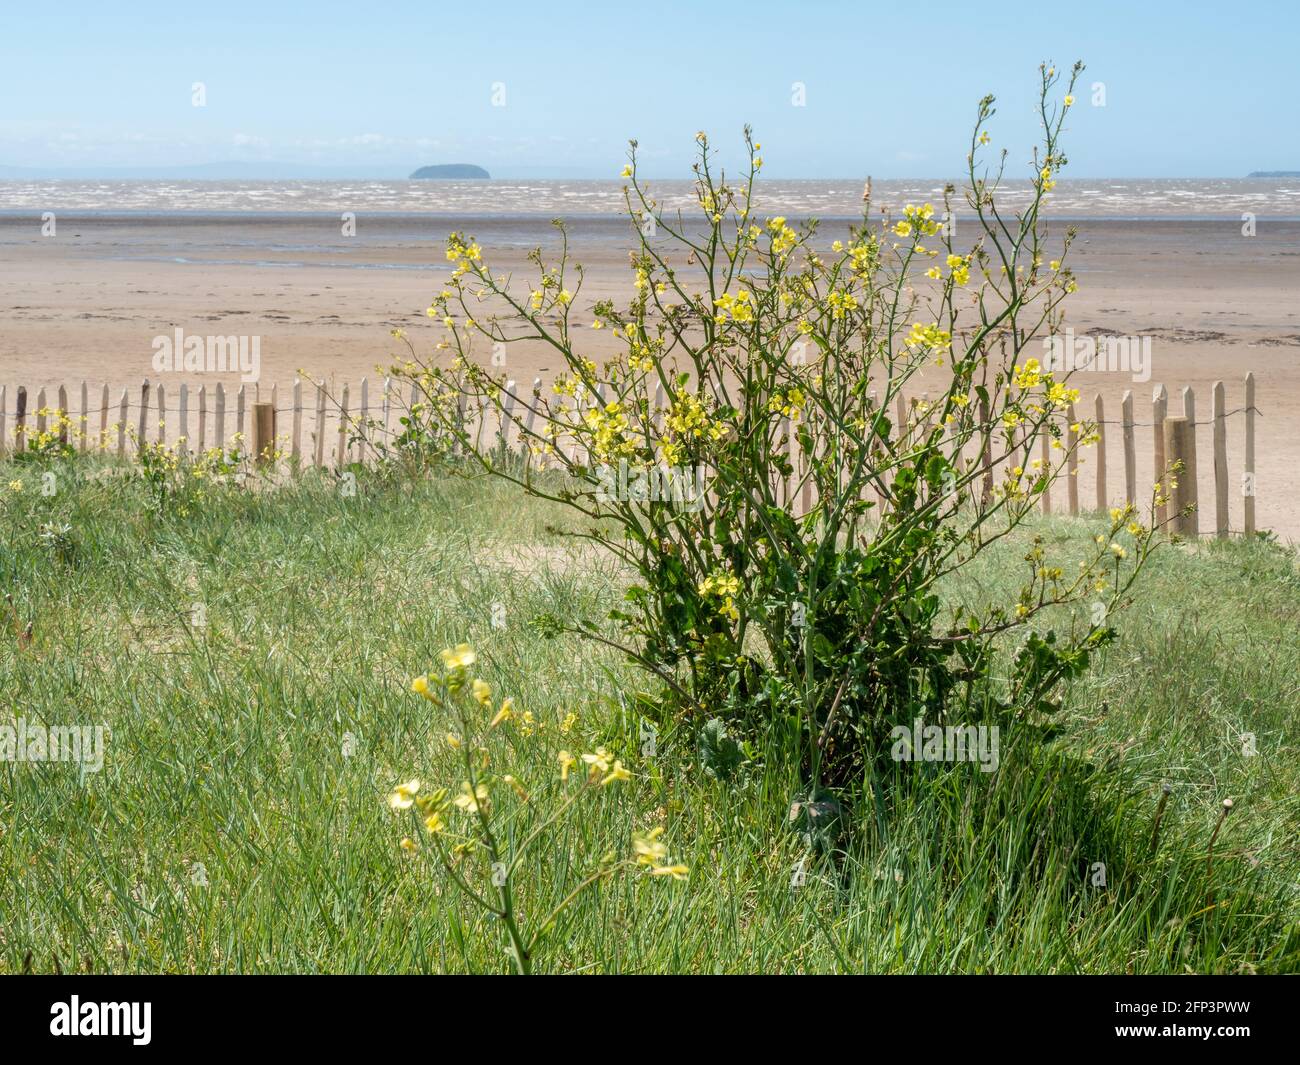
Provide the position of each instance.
(40, 412)
(343, 430)
(1130, 450)
(505, 417)
(1045, 457)
(1190, 414)
(1248, 475)
(219, 418)
(144, 416)
(320, 424)
(62, 416)
(20, 421)
(1180, 443)
(103, 419)
(83, 424)
(1102, 497)
(1159, 410)
(532, 416)
(1220, 462)
(363, 415)
(162, 413)
(183, 420)
(388, 402)
(203, 417)
(1072, 462)
(123, 413)
(240, 441)
(1190, 471)
(263, 433)
(297, 422)
(3, 409)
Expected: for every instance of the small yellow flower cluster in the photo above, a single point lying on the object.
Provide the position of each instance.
(723, 586)
(783, 237)
(466, 256)
(790, 402)
(840, 303)
(611, 433)
(917, 220)
(652, 852)
(739, 307)
(928, 336)
(1030, 375)
(1058, 395)
(688, 418)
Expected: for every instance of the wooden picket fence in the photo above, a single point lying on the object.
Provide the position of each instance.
(337, 427)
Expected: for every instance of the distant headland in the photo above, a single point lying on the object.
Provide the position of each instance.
(1274, 173)
(451, 170)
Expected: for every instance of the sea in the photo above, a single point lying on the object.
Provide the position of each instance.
(1110, 198)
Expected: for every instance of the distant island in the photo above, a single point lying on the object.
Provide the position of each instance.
(451, 170)
(1274, 173)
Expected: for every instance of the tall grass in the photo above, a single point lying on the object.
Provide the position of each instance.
(227, 751)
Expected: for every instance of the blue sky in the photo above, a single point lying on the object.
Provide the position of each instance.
(1193, 89)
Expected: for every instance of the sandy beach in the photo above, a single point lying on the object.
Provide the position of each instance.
(86, 304)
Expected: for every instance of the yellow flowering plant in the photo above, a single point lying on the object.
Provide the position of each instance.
(179, 479)
(488, 831)
(751, 456)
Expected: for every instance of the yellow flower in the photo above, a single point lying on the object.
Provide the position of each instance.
(403, 796)
(616, 772)
(506, 712)
(567, 762)
(471, 800)
(649, 851)
(482, 691)
(453, 741)
(460, 658)
(15, 486)
(1118, 551)
(409, 845)
(627, 171)
(903, 229)
(434, 822)
(519, 788)
(984, 137)
(570, 719)
(677, 872)
(421, 687)
(1069, 100)
(599, 761)
(928, 336)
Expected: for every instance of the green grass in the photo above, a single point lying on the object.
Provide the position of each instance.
(226, 749)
